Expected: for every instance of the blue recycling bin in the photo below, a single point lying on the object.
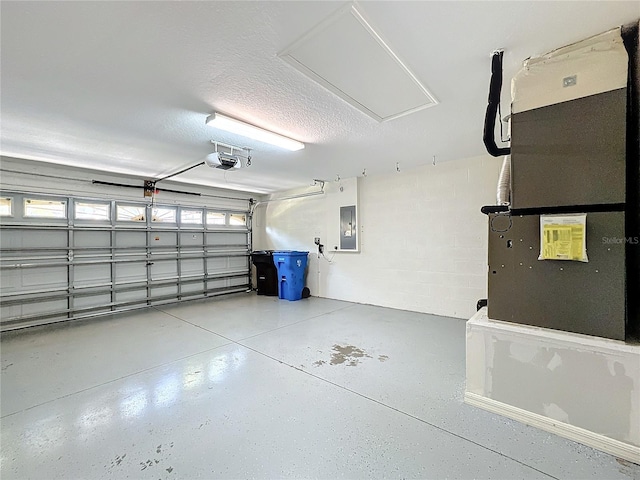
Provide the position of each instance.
(291, 266)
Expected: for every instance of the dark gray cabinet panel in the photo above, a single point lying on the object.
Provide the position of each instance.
(578, 297)
(571, 153)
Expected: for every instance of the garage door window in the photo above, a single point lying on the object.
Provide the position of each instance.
(191, 216)
(216, 218)
(238, 219)
(164, 215)
(6, 205)
(45, 208)
(130, 213)
(92, 211)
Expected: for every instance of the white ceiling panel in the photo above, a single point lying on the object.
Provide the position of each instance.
(346, 55)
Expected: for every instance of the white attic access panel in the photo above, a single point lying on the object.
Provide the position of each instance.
(348, 57)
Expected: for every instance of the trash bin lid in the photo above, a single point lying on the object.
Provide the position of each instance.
(291, 253)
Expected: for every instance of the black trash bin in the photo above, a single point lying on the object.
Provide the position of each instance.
(266, 271)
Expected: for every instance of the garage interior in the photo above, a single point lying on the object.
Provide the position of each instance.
(435, 342)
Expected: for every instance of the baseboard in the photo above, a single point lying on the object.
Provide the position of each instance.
(586, 437)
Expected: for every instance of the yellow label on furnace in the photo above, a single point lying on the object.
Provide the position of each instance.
(563, 237)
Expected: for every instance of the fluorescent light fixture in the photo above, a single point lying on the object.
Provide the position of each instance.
(232, 125)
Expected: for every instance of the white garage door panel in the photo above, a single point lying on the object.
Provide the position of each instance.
(44, 277)
(226, 238)
(97, 265)
(238, 263)
(234, 282)
(162, 269)
(127, 272)
(227, 264)
(192, 287)
(44, 238)
(191, 239)
(29, 309)
(169, 290)
(10, 311)
(93, 301)
(11, 239)
(164, 239)
(10, 281)
(218, 283)
(84, 238)
(193, 266)
(217, 265)
(132, 295)
(131, 239)
(84, 275)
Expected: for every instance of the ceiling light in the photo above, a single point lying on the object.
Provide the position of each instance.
(232, 125)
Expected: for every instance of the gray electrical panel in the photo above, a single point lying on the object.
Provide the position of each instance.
(578, 297)
(348, 230)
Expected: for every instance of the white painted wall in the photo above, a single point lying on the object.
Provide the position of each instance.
(423, 240)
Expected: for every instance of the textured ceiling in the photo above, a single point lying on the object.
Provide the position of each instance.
(126, 86)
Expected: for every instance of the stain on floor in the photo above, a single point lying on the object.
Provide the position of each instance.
(115, 462)
(155, 461)
(348, 355)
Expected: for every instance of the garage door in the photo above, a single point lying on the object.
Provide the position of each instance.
(68, 258)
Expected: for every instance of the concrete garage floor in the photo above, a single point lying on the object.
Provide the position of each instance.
(256, 387)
